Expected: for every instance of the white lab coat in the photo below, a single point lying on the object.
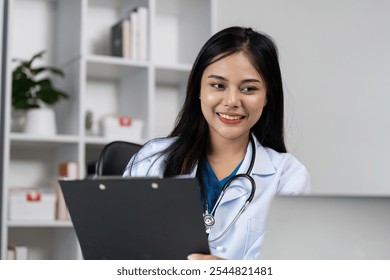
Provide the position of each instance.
(274, 173)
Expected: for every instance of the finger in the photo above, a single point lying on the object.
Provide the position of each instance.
(202, 257)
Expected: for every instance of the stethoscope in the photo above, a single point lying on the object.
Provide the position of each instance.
(209, 219)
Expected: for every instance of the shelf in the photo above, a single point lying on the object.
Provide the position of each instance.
(97, 140)
(174, 67)
(111, 4)
(106, 59)
(112, 68)
(23, 141)
(23, 137)
(77, 37)
(40, 223)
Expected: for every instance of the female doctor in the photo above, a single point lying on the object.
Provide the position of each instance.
(229, 134)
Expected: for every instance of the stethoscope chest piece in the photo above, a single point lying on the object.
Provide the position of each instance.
(209, 220)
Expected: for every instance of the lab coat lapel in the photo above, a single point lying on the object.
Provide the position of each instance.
(241, 186)
(240, 189)
(262, 167)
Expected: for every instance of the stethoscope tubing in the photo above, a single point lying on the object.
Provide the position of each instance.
(209, 217)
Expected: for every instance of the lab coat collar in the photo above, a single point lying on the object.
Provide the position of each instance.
(263, 165)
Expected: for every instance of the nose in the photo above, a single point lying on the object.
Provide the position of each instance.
(232, 98)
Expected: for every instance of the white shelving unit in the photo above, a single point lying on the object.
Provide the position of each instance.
(76, 35)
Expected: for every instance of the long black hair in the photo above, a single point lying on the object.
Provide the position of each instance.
(191, 129)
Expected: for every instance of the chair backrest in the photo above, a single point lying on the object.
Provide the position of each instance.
(114, 157)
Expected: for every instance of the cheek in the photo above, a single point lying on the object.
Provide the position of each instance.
(257, 107)
(208, 99)
(206, 107)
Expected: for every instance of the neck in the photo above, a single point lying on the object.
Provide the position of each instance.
(221, 149)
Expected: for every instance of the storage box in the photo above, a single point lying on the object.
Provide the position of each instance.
(31, 204)
(122, 128)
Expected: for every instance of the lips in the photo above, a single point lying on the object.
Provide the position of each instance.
(230, 118)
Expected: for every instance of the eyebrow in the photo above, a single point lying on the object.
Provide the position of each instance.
(243, 81)
(217, 77)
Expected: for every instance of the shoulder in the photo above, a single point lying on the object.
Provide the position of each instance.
(269, 161)
(157, 145)
(293, 176)
(283, 159)
(149, 161)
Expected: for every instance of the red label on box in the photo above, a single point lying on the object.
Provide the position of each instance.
(33, 196)
(124, 121)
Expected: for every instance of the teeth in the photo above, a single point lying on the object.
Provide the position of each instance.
(230, 117)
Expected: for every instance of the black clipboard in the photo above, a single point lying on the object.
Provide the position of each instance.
(136, 218)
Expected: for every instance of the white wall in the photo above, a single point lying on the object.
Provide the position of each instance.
(335, 59)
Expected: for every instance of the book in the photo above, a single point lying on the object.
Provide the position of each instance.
(66, 170)
(120, 38)
(139, 33)
(17, 252)
(69, 170)
(134, 34)
(62, 212)
(129, 36)
(10, 253)
(142, 33)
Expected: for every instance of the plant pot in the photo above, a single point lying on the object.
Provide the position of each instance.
(18, 120)
(40, 121)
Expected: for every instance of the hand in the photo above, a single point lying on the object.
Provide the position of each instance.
(202, 257)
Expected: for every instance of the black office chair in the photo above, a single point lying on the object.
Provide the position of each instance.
(114, 158)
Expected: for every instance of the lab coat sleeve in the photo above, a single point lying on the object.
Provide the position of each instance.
(294, 179)
(149, 161)
(129, 168)
(139, 163)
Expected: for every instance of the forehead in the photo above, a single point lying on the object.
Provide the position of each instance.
(234, 65)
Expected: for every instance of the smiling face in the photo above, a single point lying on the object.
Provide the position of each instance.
(232, 95)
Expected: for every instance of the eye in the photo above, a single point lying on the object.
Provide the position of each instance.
(248, 89)
(218, 86)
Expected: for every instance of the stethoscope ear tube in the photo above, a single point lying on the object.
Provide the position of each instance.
(228, 183)
(232, 223)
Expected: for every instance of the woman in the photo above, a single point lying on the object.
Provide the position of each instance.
(231, 123)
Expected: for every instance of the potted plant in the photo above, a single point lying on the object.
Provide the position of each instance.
(34, 93)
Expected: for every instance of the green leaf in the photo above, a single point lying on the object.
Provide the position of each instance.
(27, 91)
(38, 55)
(48, 94)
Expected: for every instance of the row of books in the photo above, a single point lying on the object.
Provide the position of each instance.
(129, 36)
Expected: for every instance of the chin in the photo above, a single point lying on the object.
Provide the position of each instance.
(233, 135)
